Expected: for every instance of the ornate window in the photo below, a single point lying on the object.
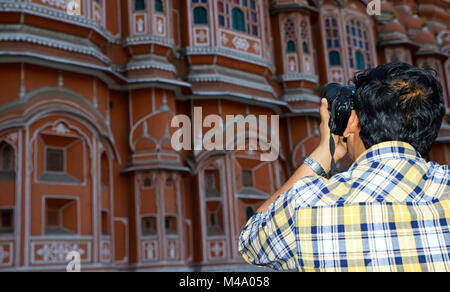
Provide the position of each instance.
(62, 159)
(334, 58)
(105, 171)
(200, 15)
(304, 33)
(289, 34)
(360, 64)
(169, 182)
(224, 9)
(105, 184)
(215, 222)
(159, 6)
(332, 41)
(240, 15)
(289, 29)
(139, 5)
(238, 19)
(55, 160)
(170, 224)
(213, 202)
(148, 183)
(149, 226)
(211, 178)
(291, 47)
(358, 45)
(7, 157)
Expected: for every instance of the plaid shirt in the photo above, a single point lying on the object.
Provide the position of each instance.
(389, 212)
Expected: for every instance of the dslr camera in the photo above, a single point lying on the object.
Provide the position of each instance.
(340, 104)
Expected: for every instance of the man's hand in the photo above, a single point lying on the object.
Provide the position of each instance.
(322, 153)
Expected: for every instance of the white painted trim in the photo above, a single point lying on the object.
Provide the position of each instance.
(11, 254)
(18, 213)
(124, 221)
(76, 241)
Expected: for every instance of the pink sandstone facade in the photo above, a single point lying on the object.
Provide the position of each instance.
(86, 103)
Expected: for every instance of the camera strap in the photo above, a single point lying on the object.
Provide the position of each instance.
(332, 150)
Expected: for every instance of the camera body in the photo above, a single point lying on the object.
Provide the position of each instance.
(340, 104)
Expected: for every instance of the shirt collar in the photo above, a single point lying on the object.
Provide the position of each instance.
(387, 151)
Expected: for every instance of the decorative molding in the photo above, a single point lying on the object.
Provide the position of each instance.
(148, 40)
(55, 252)
(230, 53)
(53, 43)
(55, 14)
(201, 78)
(298, 77)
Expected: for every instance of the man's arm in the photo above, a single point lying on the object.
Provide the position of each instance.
(321, 155)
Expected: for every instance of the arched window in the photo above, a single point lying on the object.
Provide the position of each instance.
(360, 61)
(291, 47)
(105, 170)
(238, 19)
(249, 212)
(212, 183)
(149, 225)
(148, 183)
(139, 5)
(7, 157)
(332, 33)
(169, 182)
(305, 48)
(358, 45)
(304, 33)
(335, 58)
(289, 29)
(333, 45)
(289, 34)
(159, 6)
(240, 15)
(200, 15)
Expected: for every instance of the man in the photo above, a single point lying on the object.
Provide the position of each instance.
(389, 212)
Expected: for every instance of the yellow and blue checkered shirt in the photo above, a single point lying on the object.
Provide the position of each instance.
(388, 212)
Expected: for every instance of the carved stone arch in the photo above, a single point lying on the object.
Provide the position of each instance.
(203, 157)
(71, 104)
(253, 136)
(146, 131)
(9, 143)
(64, 94)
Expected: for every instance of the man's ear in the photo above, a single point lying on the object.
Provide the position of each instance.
(352, 125)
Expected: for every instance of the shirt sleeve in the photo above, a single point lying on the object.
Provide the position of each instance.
(269, 238)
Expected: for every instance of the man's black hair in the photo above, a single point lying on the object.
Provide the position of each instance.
(399, 102)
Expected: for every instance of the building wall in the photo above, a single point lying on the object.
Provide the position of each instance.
(97, 92)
